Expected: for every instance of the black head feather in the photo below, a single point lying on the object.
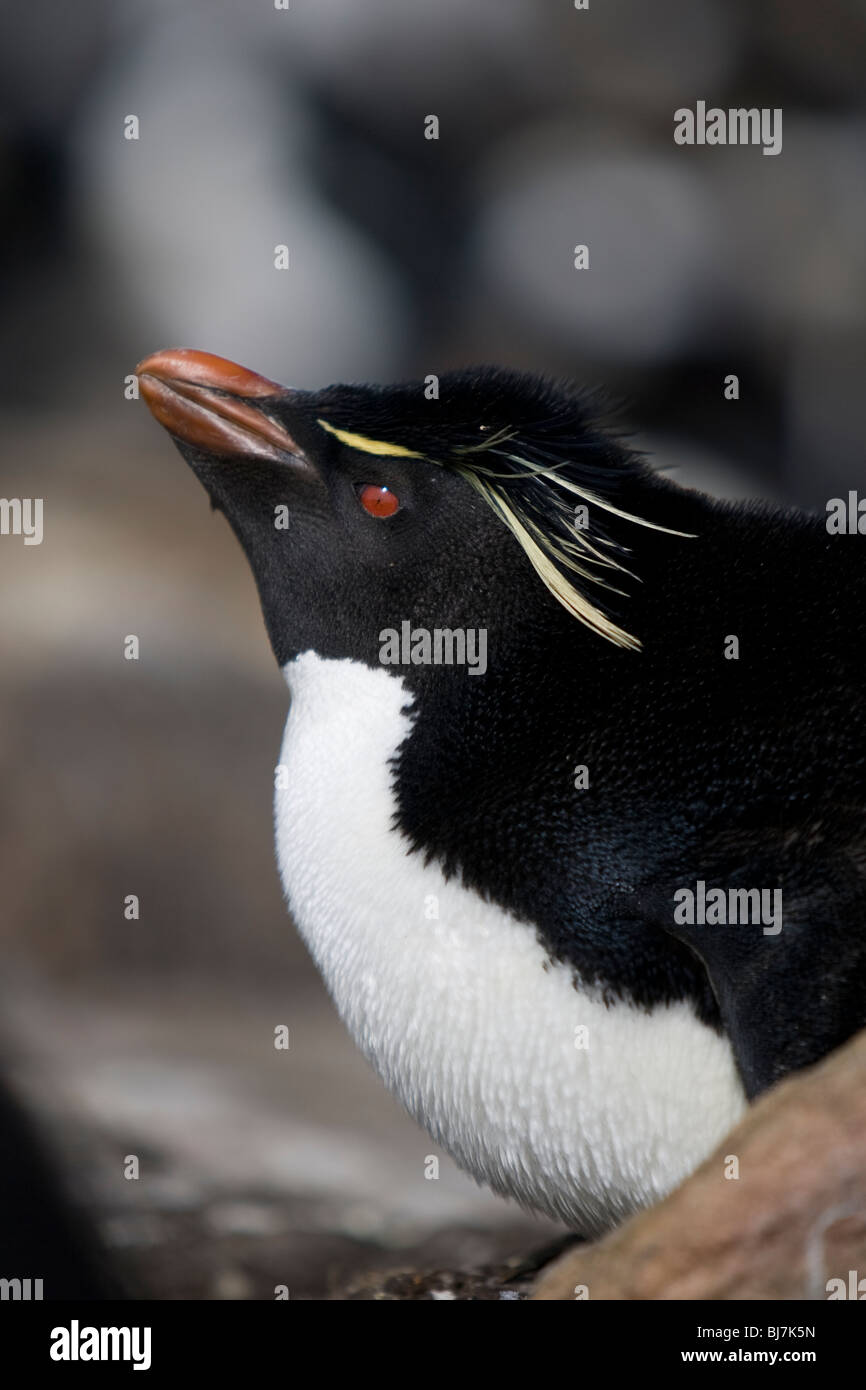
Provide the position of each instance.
(540, 454)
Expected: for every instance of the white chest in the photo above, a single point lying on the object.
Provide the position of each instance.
(537, 1088)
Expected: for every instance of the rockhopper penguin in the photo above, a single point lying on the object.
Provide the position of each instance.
(573, 813)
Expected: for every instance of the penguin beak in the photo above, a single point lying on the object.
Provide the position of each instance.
(215, 405)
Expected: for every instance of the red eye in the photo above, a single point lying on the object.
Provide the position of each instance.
(378, 501)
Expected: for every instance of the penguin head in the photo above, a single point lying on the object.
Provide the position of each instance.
(361, 507)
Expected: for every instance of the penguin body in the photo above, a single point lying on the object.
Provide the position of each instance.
(506, 940)
(582, 1108)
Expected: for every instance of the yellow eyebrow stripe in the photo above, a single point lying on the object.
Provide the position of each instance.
(368, 446)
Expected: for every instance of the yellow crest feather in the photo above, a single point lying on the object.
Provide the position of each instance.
(369, 446)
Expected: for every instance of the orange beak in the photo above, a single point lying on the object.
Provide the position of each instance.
(205, 401)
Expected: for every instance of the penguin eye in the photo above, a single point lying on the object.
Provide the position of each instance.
(378, 501)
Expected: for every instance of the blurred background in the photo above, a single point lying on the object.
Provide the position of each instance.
(306, 127)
